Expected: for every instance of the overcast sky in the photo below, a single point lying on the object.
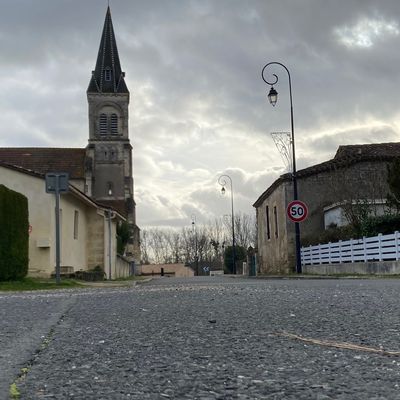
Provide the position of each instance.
(198, 104)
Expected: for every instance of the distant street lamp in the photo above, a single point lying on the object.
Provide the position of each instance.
(273, 98)
(194, 232)
(222, 181)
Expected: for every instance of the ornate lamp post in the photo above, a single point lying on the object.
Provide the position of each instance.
(273, 98)
(222, 181)
(194, 232)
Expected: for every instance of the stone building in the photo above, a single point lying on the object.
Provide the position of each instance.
(102, 170)
(357, 173)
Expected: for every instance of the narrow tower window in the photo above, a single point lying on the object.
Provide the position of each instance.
(103, 124)
(276, 222)
(267, 223)
(107, 74)
(109, 188)
(76, 224)
(114, 124)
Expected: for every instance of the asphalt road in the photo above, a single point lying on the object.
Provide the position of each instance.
(205, 338)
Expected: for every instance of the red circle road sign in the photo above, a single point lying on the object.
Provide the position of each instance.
(297, 211)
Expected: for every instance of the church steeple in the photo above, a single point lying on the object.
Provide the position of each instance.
(109, 173)
(108, 76)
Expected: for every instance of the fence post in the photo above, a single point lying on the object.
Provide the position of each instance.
(365, 250)
(396, 242)
(380, 246)
(351, 251)
(329, 252)
(340, 251)
(311, 255)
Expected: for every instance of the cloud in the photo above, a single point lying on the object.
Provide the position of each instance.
(367, 32)
(198, 104)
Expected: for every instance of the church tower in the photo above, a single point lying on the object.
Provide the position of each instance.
(109, 175)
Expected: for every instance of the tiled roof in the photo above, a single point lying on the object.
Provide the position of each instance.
(369, 150)
(71, 187)
(44, 159)
(108, 58)
(344, 157)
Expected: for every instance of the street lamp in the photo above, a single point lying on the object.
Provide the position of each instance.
(273, 98)
(222, 181)
(194, 232)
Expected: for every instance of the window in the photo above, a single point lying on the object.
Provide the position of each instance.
(76, 224)
(113, 154)
(114, 124)
(103, 124)
(267, 222)
(276, 221)
(109, 188)
(107, 74)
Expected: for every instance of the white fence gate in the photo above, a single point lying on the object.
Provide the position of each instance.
(377, 248)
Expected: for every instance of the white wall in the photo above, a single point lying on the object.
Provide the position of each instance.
(41, 206)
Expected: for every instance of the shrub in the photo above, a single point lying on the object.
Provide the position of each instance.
(384, 224)
(123, 235)
(14, 237)
(332, 234)
(240, 255)
(370, 226)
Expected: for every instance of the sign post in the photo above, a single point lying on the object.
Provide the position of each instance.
(57, 182)
(297, 211)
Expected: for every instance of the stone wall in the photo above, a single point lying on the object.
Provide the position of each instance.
(367, 268)
(95, 246)
(364, 180)
(273, 256)
(178, 270)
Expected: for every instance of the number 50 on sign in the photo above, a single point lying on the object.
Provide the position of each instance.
(297, 211)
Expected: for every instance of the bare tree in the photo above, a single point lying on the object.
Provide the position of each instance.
(144, 247)
(204, 244)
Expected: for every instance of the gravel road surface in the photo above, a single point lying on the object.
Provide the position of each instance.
(205, 338)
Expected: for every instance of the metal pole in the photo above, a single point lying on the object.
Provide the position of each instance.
(196, 257)
(233, 234)
(109, 244)
(58, 251)
(294, 172)
(295, 192)
(222, 182)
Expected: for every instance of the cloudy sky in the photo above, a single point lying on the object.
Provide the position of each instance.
(198, 103)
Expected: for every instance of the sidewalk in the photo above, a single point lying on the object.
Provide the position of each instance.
(304, 276)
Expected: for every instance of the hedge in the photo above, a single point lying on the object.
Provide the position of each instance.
(14, 237)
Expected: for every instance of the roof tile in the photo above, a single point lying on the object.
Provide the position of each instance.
(45, 159)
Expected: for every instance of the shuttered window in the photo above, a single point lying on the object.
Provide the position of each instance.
(107, 74)
(114, 124)
(103, 124)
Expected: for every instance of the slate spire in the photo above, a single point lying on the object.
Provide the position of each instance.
(108, 76)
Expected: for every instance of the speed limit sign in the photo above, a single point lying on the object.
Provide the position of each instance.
(297, 211)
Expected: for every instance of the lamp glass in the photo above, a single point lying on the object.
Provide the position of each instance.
(273, 96)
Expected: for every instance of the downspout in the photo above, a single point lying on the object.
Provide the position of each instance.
(109, 244)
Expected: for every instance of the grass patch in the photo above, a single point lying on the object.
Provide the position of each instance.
(14, 392)
(131, 278)
(37, 284)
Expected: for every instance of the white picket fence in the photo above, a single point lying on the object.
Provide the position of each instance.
(377, 248)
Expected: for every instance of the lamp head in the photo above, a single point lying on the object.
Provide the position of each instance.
(273, 96)
(223, 190)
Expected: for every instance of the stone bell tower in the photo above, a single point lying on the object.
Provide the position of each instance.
(109, 175)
